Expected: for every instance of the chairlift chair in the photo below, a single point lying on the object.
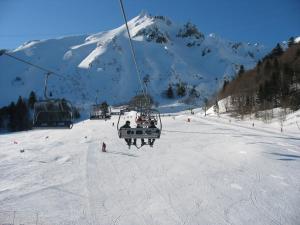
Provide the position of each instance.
(143, 131)
(54, 113)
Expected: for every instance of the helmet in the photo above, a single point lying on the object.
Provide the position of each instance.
(127, 122)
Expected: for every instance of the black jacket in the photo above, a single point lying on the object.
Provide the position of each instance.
(152, 126)
(126, 126)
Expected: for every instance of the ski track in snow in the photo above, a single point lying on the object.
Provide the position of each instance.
(203, 172)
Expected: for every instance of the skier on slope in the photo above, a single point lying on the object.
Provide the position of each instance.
(103, 147)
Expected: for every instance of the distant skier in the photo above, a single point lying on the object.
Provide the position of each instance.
(113, 124)
(103, 147)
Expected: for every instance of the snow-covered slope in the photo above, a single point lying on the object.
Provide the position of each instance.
(101, 63)
(206, 171)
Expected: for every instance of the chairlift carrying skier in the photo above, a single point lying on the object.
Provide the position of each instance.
(148, 117)
(127, 125)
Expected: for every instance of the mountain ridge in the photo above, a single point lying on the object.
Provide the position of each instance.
(101, 63)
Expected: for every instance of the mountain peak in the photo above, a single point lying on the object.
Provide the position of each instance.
(167, 53)
(143, 13)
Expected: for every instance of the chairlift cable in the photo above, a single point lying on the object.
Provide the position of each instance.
(39, 67)
(133, 51)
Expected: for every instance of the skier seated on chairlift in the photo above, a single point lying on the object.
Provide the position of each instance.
(127, 125)
(141, 120)
(142, 140)
(151, 141)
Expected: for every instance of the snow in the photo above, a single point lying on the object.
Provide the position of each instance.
(276, 119)
(206, 171)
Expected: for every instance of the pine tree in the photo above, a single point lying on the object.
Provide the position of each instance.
(267, 67)
(274, 86)
(170, 93)
(258, 65)
(277, 51)
(261, 96)
(295, 101)
(12, 125)
(194, 93)
(21, 115)
(216, 107)
(3, 116)
(226, 82)
(298, 52)
(291, 41)
(276, 64)
(205, 105)
(104, 107)
(181, 90)
(241, 70)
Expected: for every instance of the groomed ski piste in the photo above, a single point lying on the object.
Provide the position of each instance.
(211, 170)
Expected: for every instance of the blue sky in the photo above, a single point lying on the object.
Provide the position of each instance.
(265, 21)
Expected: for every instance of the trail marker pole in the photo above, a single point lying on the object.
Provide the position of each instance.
(37, 219)
(14, 216)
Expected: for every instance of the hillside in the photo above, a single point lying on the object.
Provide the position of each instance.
(273, 83)
(100, 65)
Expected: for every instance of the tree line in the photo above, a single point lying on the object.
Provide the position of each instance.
(274, 82)
(180, 90)
(17, 116)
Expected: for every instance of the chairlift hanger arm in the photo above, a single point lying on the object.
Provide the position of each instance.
(46, 85)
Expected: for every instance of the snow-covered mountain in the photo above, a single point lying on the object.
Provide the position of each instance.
(101, 64)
